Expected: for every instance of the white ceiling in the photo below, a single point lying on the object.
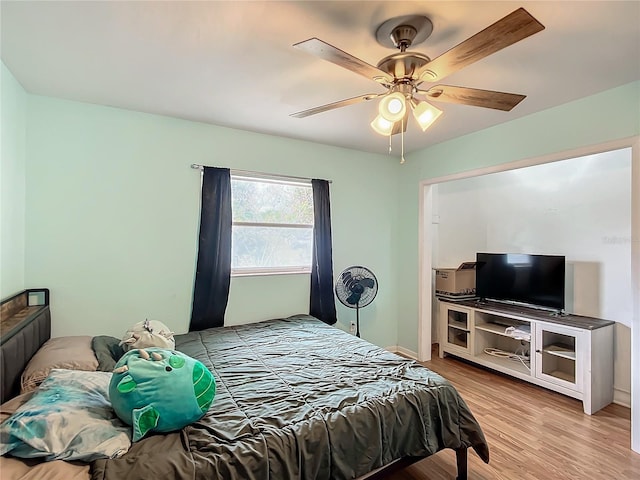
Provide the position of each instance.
(233, 64)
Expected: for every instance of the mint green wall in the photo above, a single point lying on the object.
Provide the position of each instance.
(112, 217)
(610, 115)
(112, 206)
(12, 183)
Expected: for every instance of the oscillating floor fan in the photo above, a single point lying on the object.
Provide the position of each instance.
(356, 287)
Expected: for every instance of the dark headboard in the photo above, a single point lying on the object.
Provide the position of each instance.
(24, 326)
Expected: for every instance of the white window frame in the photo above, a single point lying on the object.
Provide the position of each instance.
(281, 270)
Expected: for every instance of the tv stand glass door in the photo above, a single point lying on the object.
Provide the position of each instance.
(457, 334)
(556, 362)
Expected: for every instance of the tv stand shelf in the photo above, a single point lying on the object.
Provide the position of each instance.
(561, 351)
(570, 354)
(493, 328)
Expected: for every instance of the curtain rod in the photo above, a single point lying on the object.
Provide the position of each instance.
(250, 173)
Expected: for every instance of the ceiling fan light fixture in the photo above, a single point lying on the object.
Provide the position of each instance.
(392, 107)
(402, 73)
(425, 114)
(382, 126)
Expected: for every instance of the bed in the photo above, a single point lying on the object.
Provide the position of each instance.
(296, 399)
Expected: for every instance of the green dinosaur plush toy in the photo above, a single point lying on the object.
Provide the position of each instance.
(160, 390)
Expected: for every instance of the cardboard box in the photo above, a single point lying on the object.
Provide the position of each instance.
(456, 282)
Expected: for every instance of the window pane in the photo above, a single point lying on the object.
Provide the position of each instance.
(267, 202)
(259, 247)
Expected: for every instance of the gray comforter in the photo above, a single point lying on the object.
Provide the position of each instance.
(298, 399)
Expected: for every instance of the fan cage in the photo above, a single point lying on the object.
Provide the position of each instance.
(348, 279)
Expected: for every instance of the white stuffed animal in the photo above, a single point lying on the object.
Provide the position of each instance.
(150, 333)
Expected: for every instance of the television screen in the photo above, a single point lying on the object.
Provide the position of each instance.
(514, 277)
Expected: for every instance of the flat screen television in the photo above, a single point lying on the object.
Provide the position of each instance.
(537, 280)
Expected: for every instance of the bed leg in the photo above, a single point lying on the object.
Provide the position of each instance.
(461, 462)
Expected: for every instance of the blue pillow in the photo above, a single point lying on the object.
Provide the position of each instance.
(67, 418)
(160, 390)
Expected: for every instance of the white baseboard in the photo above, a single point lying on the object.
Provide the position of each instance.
(402, 351)
(622, 397)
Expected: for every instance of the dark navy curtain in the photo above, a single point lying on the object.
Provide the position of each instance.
(322, 303)
(213, 271)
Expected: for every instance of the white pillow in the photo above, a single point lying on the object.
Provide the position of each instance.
(150, 333)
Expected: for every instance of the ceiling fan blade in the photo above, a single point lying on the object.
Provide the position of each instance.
(332, 54)
(401, 125)
(473, 96)
(331, 106)
(516, 26)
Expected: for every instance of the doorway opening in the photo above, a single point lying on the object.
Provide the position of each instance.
(428, 230)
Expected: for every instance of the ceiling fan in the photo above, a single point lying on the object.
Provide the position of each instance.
(403, 73)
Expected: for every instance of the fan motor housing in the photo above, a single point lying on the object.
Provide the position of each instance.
(403, 65)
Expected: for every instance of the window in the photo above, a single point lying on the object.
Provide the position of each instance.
(272, 225)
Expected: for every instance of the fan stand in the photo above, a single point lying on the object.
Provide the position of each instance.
(358, 319)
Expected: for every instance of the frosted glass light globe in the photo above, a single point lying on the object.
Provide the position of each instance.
(392, 107)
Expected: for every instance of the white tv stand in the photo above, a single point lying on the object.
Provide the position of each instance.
(569, 354)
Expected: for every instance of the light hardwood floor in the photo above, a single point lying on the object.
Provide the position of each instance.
(533, 433)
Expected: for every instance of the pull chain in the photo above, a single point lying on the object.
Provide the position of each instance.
(390, 143)
(402, 143)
